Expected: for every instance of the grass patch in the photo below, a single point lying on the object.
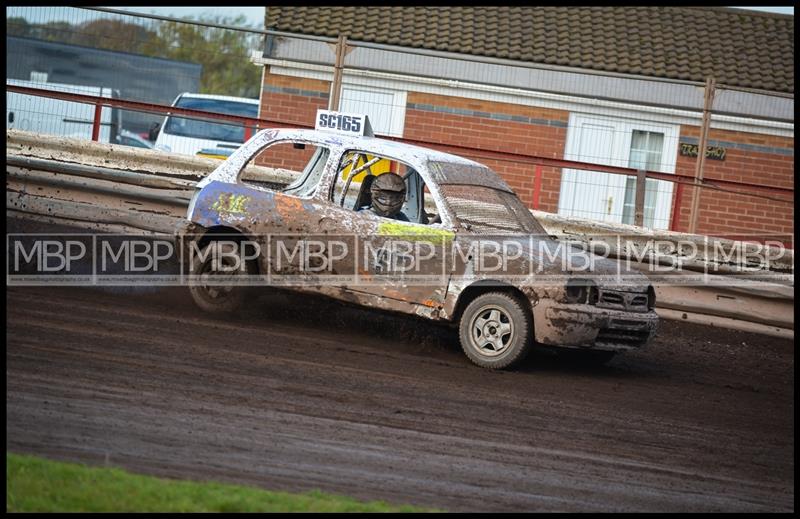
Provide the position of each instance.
(36, 484)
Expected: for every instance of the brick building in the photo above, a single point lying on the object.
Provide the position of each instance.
(620, 86)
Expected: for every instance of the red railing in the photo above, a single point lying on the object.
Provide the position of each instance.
(139, 106)
(749, 188)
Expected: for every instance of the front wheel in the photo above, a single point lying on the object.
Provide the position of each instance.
(495, 331)
(217, 263)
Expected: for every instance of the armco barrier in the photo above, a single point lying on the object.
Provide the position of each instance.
(113, 188)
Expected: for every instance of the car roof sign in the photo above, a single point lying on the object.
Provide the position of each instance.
(346, 123)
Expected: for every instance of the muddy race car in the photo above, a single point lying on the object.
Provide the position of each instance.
(391, 226)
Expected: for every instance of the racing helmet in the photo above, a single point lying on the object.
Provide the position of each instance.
(388, 193)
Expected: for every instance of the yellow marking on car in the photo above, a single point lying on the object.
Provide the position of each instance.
(229, 203)
(415, 232)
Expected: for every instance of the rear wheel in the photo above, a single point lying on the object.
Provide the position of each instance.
(220, 262)
(495, 331)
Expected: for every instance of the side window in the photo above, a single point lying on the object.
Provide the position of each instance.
(383, 186)
(290, 167)
(429, 207)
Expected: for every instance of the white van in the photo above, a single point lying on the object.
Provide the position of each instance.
(190, 136)
(58, 117)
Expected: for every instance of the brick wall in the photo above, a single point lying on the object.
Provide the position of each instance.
(496, 127)
(294, 102)
(754, 158)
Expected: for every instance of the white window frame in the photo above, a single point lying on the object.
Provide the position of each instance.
(626, 126)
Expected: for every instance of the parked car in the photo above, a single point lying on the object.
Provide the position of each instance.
(58, 117)
(190, 135)
(127, 138)
(240, 230)
(214, 153)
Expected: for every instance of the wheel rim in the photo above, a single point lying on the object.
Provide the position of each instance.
(491, 331)
(216, 268)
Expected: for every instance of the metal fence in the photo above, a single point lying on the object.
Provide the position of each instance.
(85, 51)
(567, 141)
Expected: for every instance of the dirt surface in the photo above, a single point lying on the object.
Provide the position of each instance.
(296, 395)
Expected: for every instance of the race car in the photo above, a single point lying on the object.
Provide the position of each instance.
(391, 226)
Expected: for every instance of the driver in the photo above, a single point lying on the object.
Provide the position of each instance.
(388, 192)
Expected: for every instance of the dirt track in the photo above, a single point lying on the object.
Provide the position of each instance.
(296, 396)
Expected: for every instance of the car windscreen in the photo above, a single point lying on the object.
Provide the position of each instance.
(483, 210)
(206, 129)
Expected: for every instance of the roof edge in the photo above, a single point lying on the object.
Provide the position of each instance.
(742, 10)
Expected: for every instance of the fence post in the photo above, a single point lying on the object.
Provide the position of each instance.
(701, 154)
(98, 110)
(537, 185)
(341, 47)
(638, 211)
(676, 209)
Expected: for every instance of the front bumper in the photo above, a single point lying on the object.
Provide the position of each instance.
(592, 327)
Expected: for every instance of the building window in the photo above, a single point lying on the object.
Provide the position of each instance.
(645, 153)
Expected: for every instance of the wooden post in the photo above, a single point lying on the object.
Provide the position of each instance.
(701, 154)
(638, 212)
(537, 185)
(676, 209)
(98, 110)
(341, 47)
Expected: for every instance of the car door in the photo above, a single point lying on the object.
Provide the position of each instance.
(302, 254)
(396, 264)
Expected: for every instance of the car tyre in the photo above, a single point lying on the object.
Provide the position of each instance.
(218, 299)
(496, 330)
